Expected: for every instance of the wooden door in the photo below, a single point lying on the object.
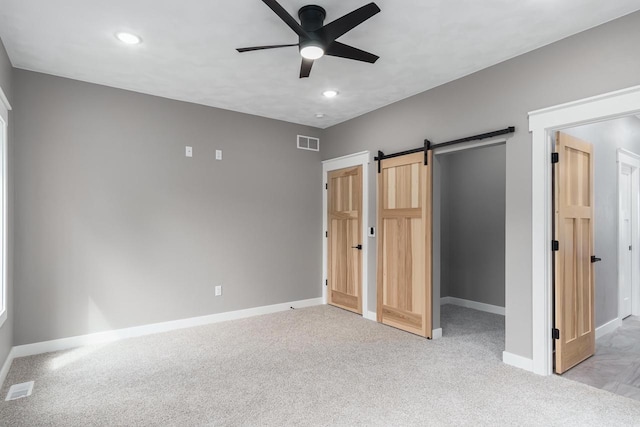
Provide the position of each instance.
(626, 239)
(574, 271)
(404, 244)
(344, 279)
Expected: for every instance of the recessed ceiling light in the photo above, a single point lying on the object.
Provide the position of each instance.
(128, 38)
(330, 93)
(319, 115)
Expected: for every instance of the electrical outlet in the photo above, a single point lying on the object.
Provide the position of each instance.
(218, 154)
(188, 151)
(218, 290)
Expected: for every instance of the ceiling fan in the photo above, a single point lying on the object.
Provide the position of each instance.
(316, 39)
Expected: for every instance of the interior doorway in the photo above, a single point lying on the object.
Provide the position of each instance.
(543, 124)
(344, 234)
(348, 176)
(628, 232)
(596, 311)
(469, 241)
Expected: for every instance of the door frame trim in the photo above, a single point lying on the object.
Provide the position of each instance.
(363, 159)
(542, 123)
(631, 159)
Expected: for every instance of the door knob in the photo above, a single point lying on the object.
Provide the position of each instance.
(359, 247)
(595, 259)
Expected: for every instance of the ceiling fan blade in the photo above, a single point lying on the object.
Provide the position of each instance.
(275, 46)
(335, 29)
(288, 19)
(345, 51)
(305, 68)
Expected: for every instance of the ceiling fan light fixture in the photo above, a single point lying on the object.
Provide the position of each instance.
(331, 93)
(312, 51)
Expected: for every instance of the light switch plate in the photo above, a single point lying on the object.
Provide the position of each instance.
(218, 290)
(188, 151)
(218, 154)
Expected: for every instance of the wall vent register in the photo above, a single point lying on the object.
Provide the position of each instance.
(308, 143)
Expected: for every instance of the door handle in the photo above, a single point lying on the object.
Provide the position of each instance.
(359, 247)
(595, 259)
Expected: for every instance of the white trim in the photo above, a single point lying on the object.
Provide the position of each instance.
(4, 177)
(589, 103)
(137, 331)
(5, 368)
(436, 334)
(4, 100)
(356, 159)
(632, 160)
(542, 123)
(489, 308)
(370, 315)
(517, 361)
(608, 327)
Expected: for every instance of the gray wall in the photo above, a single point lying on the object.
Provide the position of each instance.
(116, 228)
(606, 138)
(473, 225)
(590, 63)
(6, 331)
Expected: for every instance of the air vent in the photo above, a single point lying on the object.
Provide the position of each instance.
(17, 391)
(308, 143)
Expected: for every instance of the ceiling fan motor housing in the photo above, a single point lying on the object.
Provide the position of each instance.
(311, 20)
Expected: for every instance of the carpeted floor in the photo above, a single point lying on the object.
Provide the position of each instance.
(314, 366)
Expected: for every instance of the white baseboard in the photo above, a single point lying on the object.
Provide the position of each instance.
(436, 333)
(137, 331)
(495, 309)
(5, 367)
(610, 326)
(517, 361)
(371, 315)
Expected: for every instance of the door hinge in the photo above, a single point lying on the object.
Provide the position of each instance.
(326, 234)
(555, 334)
(555, 158)
(555, 245)
(326, 282)
(326, 185)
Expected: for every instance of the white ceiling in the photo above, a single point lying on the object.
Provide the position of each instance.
(189, 48)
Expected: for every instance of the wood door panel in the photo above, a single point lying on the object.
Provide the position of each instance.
(342, 299)
(394, 315)
(344, 269)
(404, 244)
(574, 272)
(402, 185)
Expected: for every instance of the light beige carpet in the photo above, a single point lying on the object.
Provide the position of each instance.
(315, 366)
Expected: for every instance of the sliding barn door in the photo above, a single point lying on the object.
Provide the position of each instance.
(404, 243)
(345, 239)
(574, 275)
